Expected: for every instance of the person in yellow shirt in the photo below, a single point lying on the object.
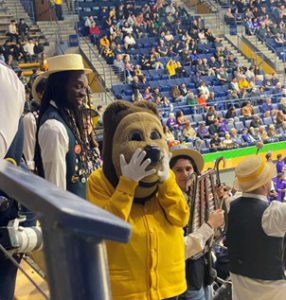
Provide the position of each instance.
(171, 67)
(151, 266)
(59, 9)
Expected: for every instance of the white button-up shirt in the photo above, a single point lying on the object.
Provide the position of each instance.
(12, 99)
(273, 223)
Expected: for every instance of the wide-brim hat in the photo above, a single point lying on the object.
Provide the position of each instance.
(60, 63)
(185, 150)
(252, 173)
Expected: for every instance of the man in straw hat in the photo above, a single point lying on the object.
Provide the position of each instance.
(255, 234)
(183, 163)
(61, 153)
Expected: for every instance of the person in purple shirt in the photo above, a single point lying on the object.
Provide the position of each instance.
(171, 122)
(280, 186)
(280, 164)
(202, 131)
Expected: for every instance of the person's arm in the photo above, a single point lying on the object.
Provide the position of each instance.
(54, 145)
(12, 99)
(274, 219)
(173, 202)
(30, 128)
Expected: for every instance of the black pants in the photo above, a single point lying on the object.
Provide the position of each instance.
(59, 12)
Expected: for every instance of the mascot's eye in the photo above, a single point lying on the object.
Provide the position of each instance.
(136, 136)
(155, 135)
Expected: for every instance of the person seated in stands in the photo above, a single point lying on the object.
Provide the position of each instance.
(272, 132)
(244, 86)
(38, 50)
(215, 128)
(129, 41)
(203, 90)
(227, 143)
(157, 94)
(189, 132)
(119, 64)
(176, 95)
(181, 119)
(222, 76)
(279, 40)
(202, 131)
(12, 30)
(256, 122)
(23, 29)
(171, 67)
(229, 16)
(94, 33)
(231, 113)
(154, 62)
(172, 122)
(215, 143)
(247, 110)
(247, 137)
(183, 89)
(191, 99)
(168, 135)
(280, 118)
(88, 22)
(29, 50)
(147, 95)
(211, 115)
(262, 134)
(104, 43)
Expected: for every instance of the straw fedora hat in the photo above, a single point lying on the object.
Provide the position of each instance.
(184, 150)
(253, 172)
(61, 63)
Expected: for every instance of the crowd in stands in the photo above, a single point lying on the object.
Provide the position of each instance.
(266, 19)
(20, 46)
(168, 57)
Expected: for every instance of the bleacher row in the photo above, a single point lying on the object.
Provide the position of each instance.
(273, 10)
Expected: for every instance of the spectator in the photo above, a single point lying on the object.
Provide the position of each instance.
(280, 186)
(172, 122)
(189, 132)
(23, 29)
(280, 167)
(247, 110)
(168, 135)
(29, 49)
(202, 131)
(12, 30)
(94, 33)
(262, 134)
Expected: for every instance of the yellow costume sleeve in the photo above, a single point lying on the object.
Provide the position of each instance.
(115, 200)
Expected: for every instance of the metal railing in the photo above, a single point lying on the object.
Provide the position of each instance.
(73, 231)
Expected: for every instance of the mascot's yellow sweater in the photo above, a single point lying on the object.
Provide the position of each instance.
(152, 264)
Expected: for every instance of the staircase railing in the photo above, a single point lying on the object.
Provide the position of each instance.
(73, 232)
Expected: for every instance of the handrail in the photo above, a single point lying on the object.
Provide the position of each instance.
(197, 107)
(73, 233)
(101, 81)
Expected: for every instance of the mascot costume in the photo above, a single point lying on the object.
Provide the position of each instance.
(135, 184)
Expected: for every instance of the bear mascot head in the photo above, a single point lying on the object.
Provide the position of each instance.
(128, 127)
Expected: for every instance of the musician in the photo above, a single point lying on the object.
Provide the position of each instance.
(255, 234)
(184, 162)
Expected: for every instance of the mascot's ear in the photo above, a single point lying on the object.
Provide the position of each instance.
(115, 111)
(152, 107)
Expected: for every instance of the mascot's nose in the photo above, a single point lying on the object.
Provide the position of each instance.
(153, 152)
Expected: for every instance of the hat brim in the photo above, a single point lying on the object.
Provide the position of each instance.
(47, 74)
(268, 174)
(193, 154)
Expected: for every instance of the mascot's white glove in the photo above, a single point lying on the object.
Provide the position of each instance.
(164, 173)
(136, 168)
